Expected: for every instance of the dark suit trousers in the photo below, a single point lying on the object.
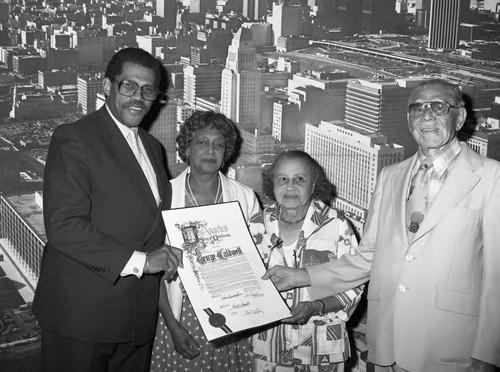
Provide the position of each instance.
(61, 354)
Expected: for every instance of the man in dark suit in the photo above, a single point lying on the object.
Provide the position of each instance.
(104, 189)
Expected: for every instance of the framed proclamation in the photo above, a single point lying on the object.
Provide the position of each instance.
(222, 269)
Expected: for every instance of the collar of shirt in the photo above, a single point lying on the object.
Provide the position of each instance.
(123, 128)
(443, 158)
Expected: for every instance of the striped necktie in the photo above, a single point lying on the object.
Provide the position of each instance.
(416, 204)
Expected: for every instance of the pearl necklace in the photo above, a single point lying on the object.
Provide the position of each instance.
(192, 198)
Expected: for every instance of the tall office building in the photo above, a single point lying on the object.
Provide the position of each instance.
(22, 230)
(322, 11)
(422, 10)
(88, 87)
(56, 78)
(378, 16)
(287, 127)
(254, 9)
(164, 129)
(256, 147)
(355, 16)
(150, 43)
(201, 81)
(167, 9)
(290, 18)
(443, 24)
(379, 107)
(4, 12)
(352, 160)
(240, 98)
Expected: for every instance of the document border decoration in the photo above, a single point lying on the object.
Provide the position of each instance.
(222, 269)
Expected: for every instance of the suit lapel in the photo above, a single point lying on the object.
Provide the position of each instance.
(459, 182)
(400, 182)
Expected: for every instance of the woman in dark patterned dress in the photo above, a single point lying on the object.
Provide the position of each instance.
(206, 141)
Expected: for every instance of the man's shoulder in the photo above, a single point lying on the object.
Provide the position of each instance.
(88, 122)
(397, 167)
(479, 161)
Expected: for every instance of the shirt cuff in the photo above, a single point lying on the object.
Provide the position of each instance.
(135, 264)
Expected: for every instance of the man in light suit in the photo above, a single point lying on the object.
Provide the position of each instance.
(434, 293)
(104, 188)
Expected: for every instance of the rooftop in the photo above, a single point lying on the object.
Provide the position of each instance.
(29, 209)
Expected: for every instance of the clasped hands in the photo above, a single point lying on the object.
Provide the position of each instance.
(166, 258)
(286, 278)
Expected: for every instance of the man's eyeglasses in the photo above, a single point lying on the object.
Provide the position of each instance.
(438, 108)
(128, 88)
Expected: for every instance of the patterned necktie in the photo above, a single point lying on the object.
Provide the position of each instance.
(147, 169)
(416, 204)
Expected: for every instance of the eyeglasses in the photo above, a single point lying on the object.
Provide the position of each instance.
(128, 88)
(438, 108)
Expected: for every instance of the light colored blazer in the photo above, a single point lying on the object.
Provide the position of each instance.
(231, 190)
(434, 304)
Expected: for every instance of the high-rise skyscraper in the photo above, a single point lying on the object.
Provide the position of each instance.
(443, 24)
(352, 160)
(164, 128)
(380, 107)
(88, 87)
(355, 16)
(150, 43)
(167, 9)
(240, 99)
(378, 15)
(422, 10)
(22, 231)
(201, 81)
(290, 18)
(254, 9)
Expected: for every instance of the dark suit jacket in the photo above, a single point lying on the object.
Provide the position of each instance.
(98, 209)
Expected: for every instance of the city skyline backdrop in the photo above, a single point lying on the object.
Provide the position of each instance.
(331, 77)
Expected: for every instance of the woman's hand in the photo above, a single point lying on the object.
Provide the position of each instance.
(184, 343)
(302, 313)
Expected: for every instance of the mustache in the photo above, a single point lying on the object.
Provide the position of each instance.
(135, 103)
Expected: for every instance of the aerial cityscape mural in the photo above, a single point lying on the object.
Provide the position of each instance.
(330, 77)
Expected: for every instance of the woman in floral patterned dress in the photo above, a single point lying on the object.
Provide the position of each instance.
(299, 230)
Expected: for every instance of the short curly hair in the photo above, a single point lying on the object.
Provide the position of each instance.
(132, 55)
(323, 189)
(203, 119)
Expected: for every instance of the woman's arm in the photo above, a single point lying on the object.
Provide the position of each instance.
(184, 343)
